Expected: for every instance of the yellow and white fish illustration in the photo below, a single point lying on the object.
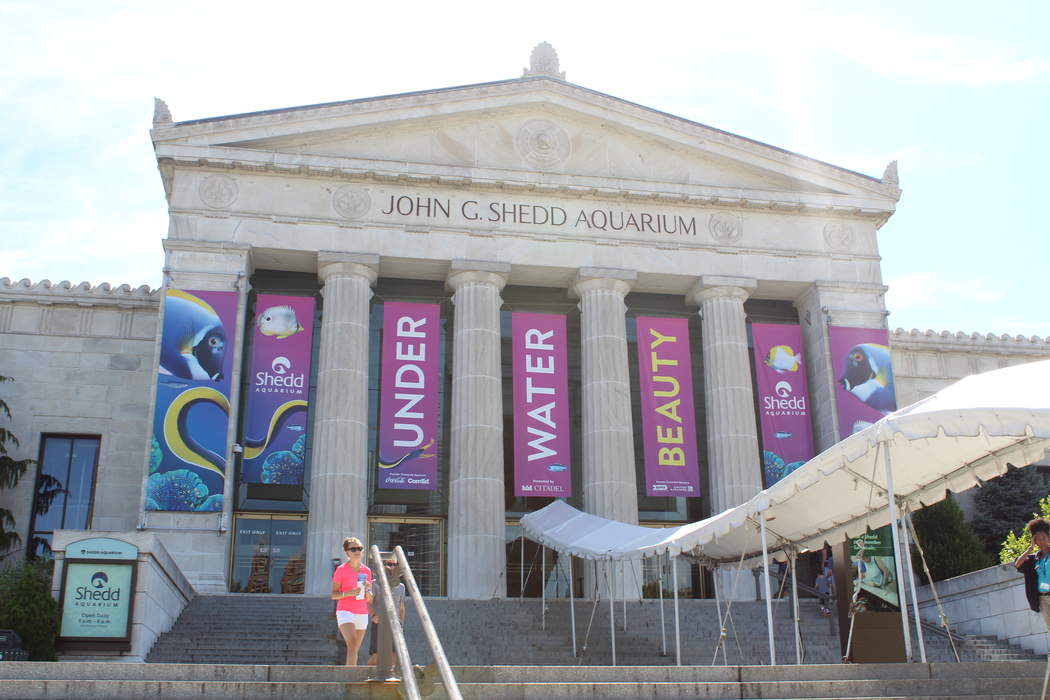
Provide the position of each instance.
(782, 358)
(279, 321)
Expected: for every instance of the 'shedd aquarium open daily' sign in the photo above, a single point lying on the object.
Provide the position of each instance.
(98, 589)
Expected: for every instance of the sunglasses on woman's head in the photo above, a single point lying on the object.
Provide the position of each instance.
(354, 549)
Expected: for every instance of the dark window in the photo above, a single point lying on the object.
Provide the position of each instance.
(65, 488)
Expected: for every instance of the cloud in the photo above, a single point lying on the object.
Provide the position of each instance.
(937, 289)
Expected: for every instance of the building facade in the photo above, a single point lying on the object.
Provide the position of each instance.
(483, 203)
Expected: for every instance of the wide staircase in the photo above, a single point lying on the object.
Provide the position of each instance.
(287, 647)
(301, 630)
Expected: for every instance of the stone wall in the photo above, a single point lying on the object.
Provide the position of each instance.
(81, 358)
(161, 590)
(988, 602)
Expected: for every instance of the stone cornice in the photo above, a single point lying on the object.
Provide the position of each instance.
(980, 342)
(83, 294)
(519, 182)
(535, 89)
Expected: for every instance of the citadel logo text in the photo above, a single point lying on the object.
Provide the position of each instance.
(280, 379)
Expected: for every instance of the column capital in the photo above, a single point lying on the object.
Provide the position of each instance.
(331, 264)
(713, 286)
(603, 278)
(461, 272)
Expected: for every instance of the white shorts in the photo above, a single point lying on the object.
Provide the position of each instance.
(358, 620)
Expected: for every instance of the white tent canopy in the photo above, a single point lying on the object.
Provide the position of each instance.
(963, 434)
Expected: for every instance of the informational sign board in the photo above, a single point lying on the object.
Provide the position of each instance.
(98, 594)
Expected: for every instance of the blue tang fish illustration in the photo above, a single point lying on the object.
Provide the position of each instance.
(557, 468)
(868, 375)
(783, 435)
(193, 343)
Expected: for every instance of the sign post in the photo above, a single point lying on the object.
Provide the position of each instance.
(98, 595)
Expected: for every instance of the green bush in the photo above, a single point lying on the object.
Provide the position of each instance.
(1017, 543)
(26, 606)
(1005, 504)
(951, 547)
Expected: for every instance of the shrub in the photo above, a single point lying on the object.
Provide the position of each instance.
(1005, 504)
(951, 547)
(1017, 543)
(26, 606)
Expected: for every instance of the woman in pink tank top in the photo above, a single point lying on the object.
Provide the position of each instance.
(352, 591)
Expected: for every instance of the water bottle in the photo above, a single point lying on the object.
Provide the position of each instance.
(361, 578)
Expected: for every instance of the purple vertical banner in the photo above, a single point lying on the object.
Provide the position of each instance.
(665, 374)
(408, 396)
(783, 399)
(542, 460)
(275, 422)
(864, 388)
(187, 466)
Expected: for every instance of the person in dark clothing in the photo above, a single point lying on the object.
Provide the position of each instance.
(1035, 565)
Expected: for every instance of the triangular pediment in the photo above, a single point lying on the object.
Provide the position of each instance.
(537, 128)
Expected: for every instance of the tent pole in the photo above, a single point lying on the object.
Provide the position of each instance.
(543, 587)
(623, 591)
(718, 607)
(572, 608)
(914, 595)
(794, 601)
(769, 602)
(660, 588)
(933, 587)
(612, 611)
(677, 634)
(902, 598)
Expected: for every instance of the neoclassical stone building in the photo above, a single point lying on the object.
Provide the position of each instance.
(530, 195)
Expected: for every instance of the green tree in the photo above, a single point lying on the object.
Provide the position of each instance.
(1006, 503)
(1017, 543)
(26, 606)
(11, 470)
(950, 545)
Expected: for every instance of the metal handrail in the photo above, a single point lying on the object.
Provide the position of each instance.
(436, 650)
(408, 675)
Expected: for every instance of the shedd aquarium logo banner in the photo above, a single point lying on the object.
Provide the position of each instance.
(188, 451)
(97, 599)
(275, 421)
(783, 395)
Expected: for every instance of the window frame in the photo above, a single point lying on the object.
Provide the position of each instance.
(44, 437)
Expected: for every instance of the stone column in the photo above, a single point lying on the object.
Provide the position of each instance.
(476, 551)
(339, 466)
(732, 433)
(823, 305)
(609, 488)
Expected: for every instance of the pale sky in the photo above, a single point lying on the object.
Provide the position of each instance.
(956, 92)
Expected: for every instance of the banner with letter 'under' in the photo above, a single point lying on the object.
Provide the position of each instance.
(407, 453)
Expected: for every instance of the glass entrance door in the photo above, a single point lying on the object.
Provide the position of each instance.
(269, 554)
(423, 540)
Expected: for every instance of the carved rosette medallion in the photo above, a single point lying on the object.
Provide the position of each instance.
(218, 191)
(542, 144)
(725, 227)
(838, 235)
(351, 202)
